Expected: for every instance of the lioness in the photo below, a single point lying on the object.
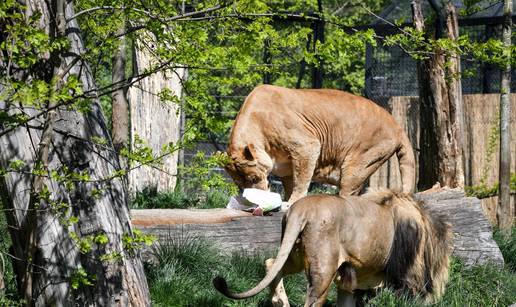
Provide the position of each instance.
(327, 136)
(360, 242)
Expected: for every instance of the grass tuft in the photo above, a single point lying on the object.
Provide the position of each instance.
(184, 268)
(150, 198)
(507, 247)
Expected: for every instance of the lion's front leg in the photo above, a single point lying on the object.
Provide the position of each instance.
(303, 167)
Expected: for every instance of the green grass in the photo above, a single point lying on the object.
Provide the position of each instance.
(149, 198)
(485, 285)
(508, 248)
(185, 267)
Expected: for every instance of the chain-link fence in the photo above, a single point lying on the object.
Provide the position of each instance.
(391, 72)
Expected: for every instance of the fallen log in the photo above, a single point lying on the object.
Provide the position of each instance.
(232, 230)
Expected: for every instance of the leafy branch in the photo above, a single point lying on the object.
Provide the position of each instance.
(484, 191)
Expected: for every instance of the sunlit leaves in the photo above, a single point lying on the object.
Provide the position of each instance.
(200, 175)
(86, 244)
(136, 240)
(140, 152)
(81, 278)
(166, 95)
(418, 45)
(23, 41)
(68, 177)
(343, 54)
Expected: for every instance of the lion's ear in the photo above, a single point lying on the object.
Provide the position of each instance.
(250, 152)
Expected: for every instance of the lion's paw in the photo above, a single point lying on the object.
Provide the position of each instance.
(277, 302)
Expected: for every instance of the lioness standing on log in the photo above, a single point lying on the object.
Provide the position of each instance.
(327, 136)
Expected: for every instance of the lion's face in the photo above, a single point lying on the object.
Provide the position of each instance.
(247, 176)
(245, 170)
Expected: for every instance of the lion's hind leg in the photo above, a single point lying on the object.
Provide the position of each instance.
(345, 298)
(321, 271)
(320, 278)
(357, 169)
(278, 294)
(346, 283)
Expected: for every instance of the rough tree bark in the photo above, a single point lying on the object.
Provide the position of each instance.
(47, 264)
(505, 211)
(120, 107)
(442, 116)
(150, 115)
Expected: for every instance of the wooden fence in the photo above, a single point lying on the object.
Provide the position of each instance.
(482, 160)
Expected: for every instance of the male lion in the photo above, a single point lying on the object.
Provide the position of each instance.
(360, 242)
(327, 136)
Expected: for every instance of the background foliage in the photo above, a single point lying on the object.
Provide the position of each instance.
(224, 50)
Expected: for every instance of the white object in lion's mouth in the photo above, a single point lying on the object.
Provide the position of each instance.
(253, 198)
(264, 199)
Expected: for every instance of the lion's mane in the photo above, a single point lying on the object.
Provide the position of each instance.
(419, 257)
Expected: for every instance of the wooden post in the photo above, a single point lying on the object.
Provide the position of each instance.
(505, 211)
(148, 115)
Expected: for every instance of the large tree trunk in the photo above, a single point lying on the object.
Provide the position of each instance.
(45, 246)
(505, 212)
(154, 121)
(441, 142)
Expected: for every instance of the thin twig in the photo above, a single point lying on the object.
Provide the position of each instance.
(19, 259)
(93, 9)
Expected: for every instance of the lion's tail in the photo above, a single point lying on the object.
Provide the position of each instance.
(292, 231)
(407, 163)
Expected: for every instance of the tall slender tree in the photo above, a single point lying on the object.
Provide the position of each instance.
(505, 210)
